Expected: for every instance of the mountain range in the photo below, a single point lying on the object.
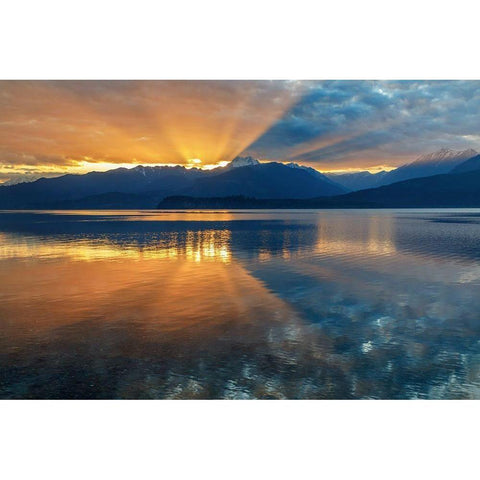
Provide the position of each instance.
(448, 190)
(459, 187)
(444, 178)
(441, 161)
(144, 187)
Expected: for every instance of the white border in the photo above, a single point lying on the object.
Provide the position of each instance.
(239, 439)
(251, 39)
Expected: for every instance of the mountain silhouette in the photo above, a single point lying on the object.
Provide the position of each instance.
(144, 187)
(468, 166)
(437, 191)
(435, 163)
(358, 180)
(456, 189)
(265, 180)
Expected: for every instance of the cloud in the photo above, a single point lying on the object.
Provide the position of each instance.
(337, 123)
(326, 124)
(137, 121)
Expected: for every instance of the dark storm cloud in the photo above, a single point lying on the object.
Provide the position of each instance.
(354, 144)
(337, 121)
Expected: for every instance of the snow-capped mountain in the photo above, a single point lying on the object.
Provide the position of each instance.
(145, 186)
(441, 161)
(444, 155)
(303, 167)
(243, 162)
(435, 163)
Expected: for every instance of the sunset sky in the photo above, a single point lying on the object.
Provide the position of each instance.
(54, 127)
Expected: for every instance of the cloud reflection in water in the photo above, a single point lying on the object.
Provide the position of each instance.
(298, 304)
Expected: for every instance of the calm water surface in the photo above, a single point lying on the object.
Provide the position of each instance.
(240, 304)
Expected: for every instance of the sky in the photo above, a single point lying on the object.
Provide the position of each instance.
(54, 127)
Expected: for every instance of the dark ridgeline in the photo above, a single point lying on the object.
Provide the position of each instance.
(116, 188)
(470, 165)
(459, 188)
(267, 180)
(440, 191)
(144, 187)
(246, 183)
(436, 163)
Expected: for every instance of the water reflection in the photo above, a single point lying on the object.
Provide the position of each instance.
(197, 246)
(306, 304)
(357, 236)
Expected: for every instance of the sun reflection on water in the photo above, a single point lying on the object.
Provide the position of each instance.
(238, 305)
(197, 246)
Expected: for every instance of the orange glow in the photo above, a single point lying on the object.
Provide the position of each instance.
(73, 127)
(171, 287)
(56, 127)
(206, 245)
(371, 169)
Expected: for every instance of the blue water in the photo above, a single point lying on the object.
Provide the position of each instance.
(240, 304)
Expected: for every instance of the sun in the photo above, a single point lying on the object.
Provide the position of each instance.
(194, 161)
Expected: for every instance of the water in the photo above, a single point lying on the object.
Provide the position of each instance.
(240, 304)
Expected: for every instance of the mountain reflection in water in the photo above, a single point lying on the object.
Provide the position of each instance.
(240, 304)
